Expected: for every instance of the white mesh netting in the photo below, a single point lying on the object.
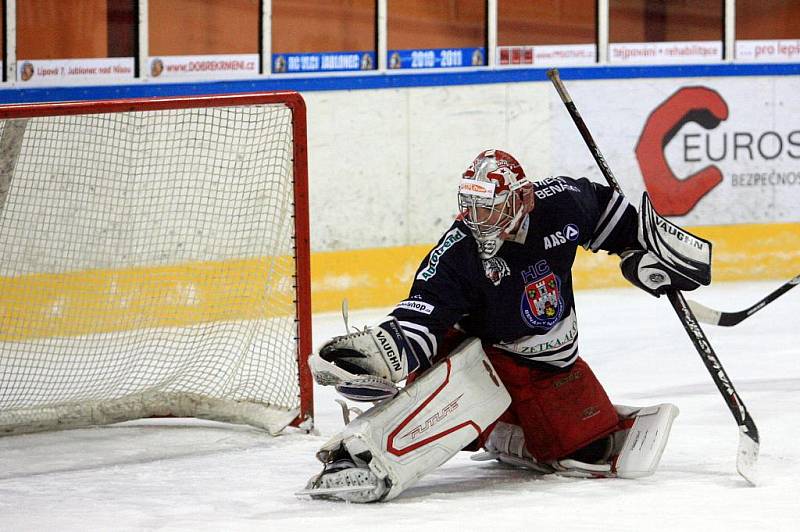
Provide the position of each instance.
(147, 267)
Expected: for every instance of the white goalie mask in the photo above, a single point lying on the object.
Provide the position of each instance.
(490, 198)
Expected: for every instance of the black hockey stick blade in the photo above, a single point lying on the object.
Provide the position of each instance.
(728, 319)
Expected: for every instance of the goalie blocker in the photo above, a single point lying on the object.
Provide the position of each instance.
(672, 257)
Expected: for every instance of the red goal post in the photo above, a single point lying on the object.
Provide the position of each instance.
(154, 261)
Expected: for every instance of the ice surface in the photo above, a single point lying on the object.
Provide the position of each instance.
(195, 475)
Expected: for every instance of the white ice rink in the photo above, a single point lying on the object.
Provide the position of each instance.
(190, 475)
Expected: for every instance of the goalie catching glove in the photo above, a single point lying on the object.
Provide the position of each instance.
(672, 257)
(365, 365)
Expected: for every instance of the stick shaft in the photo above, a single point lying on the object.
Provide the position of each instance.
(584, 130)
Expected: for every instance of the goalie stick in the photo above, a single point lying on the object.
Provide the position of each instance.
(728, 319)
(747, 454)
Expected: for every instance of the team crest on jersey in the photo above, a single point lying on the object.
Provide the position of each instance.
(496, 268)
(542, 304)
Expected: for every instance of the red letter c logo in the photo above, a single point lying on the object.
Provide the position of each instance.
(670, 195)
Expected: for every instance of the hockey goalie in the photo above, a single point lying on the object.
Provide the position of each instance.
(483, 354)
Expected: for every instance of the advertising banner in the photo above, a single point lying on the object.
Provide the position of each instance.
(547, 55)
(323, 62)
(67, 71)
(436, 58)
(772, 51)
(226, 66)
(709, 151)
(659, 53)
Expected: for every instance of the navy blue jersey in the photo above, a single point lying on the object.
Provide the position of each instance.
(521, 299)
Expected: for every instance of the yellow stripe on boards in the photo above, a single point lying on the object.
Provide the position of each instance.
(382, 277)
(753, 252)
(367, 278)
(99, 301)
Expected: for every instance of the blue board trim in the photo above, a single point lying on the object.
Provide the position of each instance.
(391, 80)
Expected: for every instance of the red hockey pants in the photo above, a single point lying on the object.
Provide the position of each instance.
(559, 411)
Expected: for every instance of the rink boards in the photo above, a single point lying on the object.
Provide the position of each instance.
(381, 277)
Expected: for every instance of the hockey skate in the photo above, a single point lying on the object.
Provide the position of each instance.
(342, 478)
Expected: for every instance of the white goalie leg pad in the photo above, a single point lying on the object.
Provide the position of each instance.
(644, 444)
(634, 452)
(403, 438)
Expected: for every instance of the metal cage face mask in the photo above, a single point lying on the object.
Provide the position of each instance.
(486, 197)
(484, 211)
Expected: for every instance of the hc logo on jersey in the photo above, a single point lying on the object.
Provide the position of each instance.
(570, 232)
(542, 305)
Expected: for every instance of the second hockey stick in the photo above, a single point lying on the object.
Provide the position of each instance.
(728, 319)
(747, 455)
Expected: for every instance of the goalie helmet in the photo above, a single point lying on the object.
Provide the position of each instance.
(489, 197)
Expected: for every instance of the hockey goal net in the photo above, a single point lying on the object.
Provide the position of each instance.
(154, 261)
